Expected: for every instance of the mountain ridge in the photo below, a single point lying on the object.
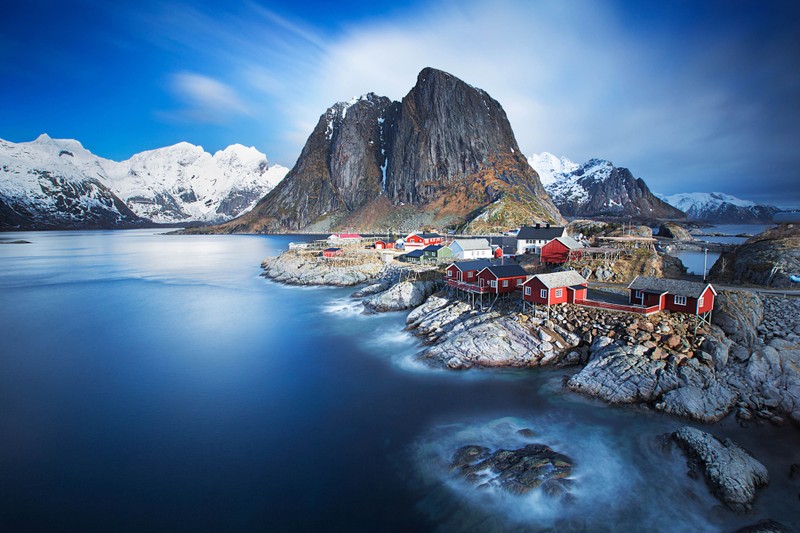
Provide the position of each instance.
(597, 188)
(721, 208)
(57, 183)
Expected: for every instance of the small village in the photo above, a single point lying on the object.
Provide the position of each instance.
(532, 265)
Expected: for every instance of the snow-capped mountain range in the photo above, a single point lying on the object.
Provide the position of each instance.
(720, 208)
(55, 183)
(598, 188)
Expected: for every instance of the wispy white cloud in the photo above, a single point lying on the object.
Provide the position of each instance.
(205, 99)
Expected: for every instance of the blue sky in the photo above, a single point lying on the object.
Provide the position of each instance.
(691, 96)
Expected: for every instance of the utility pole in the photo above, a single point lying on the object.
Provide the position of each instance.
(705, 262)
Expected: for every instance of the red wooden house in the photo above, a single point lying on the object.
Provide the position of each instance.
(674, 295)
(384, 245)
(421, 240)
(555, 288)
(332, 252)
(465, 271)
(501, 279)
(558, 250)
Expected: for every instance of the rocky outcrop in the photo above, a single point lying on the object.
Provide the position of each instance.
(463, 338)
(404, 295)
(295, 268)
(624, 375)
(731, 472)
(535, 466)
(442, 156)
(670, 230)
(767, 259)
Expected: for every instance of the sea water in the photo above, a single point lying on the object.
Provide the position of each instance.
(157, 382)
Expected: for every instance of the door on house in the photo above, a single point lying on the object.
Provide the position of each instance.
(639, 296)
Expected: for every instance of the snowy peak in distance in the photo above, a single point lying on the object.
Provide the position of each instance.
(549, 166)
(181, 183)
(598, 188)
(721, 208)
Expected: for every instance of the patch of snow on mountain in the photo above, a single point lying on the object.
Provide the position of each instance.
(549, 166)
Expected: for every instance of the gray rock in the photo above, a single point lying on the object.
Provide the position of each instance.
(517, 471)
(404, 295)
(732, 474)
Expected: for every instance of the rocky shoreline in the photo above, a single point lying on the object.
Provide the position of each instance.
(747, 362)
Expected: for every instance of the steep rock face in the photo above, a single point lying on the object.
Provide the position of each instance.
(598, 188)
(339, 170)
(721, 208)
(441, 156)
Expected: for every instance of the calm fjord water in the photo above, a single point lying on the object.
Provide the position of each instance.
(152, 382)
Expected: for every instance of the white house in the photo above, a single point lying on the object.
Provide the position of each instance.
(471, 249)
(530, 239)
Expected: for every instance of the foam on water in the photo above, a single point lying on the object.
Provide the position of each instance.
(347, 307)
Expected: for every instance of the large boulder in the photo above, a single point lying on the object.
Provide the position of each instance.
(403, 295)
(731, 472)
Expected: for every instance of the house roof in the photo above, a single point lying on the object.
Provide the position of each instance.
(508, 244)
(477, 264)
(414, 253)
(569, 242)
(472, 244)
(506, 271)
(553, 280)
(332, 250)
(433, 248)
(345, 236)
(425, 235)
(541, 233)
(692, 289)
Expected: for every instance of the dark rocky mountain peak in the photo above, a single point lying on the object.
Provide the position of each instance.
(441, 157)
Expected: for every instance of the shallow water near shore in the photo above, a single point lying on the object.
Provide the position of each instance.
(152, 382)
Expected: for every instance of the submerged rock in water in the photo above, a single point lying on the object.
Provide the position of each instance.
(517, 471)
(731, 472)
(404, 295)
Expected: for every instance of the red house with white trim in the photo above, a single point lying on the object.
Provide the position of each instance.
(466, 271)
(502, 279)
(421, 240)
(557, 251)
(673, 294)
(332, 252)
(555, 288)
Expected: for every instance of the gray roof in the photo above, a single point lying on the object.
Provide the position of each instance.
(507, 271)
(569, 242)
(472, 244)
(432, 248)
(567, 278)
(477, 264)
(414, 253)
(544, 233)
(692, 289)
